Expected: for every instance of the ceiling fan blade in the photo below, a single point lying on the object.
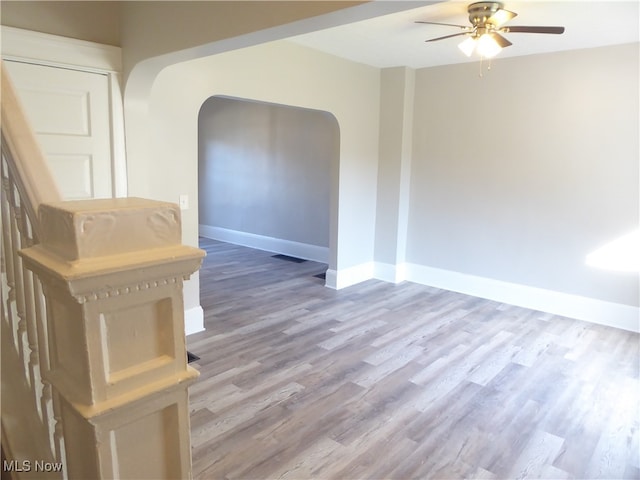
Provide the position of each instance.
(501, 17)
(523, 29)
(500, 40)
(447, 36)
(466, 27)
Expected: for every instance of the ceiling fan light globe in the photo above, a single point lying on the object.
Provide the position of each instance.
(468, 46)
(487, 46)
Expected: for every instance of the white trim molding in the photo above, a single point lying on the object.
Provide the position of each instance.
(625, 317)
(389, 272)
(269, 244)
(54, 50)
(339, 279)
(592, 310)
(193, 320)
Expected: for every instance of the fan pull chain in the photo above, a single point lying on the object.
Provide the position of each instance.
(488, 66)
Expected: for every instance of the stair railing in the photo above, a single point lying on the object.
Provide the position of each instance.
(94, 373)
(26, 396)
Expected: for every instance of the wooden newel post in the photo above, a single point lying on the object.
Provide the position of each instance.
(112, 272)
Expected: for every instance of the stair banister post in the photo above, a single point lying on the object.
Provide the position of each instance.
(112, 272)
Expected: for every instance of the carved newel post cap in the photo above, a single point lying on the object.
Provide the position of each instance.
(88, 239)
(85, 229)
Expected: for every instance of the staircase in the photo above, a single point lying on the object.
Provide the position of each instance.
(94, 373)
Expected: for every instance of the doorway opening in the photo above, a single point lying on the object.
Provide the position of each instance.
(264, 176)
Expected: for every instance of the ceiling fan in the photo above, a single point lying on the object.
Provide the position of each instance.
(484, 33)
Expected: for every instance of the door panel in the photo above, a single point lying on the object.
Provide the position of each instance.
(69, 112)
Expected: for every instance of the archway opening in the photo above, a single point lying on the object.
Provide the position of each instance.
(264, 175)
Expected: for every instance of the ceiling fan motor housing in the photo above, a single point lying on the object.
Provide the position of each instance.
(481, 12)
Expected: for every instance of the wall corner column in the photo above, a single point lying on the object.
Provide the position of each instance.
(394, 172)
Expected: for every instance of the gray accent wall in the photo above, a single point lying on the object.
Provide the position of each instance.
(264, 169)
(519, 175)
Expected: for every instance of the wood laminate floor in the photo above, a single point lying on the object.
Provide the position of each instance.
(381, 381)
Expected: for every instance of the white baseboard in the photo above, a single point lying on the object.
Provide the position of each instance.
(591, 310)
(331, 279)
(390, 273)
(349, 276)
(269, 244)
(193, 320)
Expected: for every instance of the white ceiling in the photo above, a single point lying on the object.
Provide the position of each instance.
(396, 40)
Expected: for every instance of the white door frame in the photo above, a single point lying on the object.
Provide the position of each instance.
(63, 52)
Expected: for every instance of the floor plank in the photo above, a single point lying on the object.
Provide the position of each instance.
(381, 381)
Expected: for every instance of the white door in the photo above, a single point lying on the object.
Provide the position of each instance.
(69, 112)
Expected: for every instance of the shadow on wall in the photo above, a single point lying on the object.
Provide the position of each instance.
(264, 175)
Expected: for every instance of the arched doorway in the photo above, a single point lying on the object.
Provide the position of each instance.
(264, 175)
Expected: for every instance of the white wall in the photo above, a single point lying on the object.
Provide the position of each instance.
(156, 35)
(523, 213)
(278, 72)
(518, 175)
